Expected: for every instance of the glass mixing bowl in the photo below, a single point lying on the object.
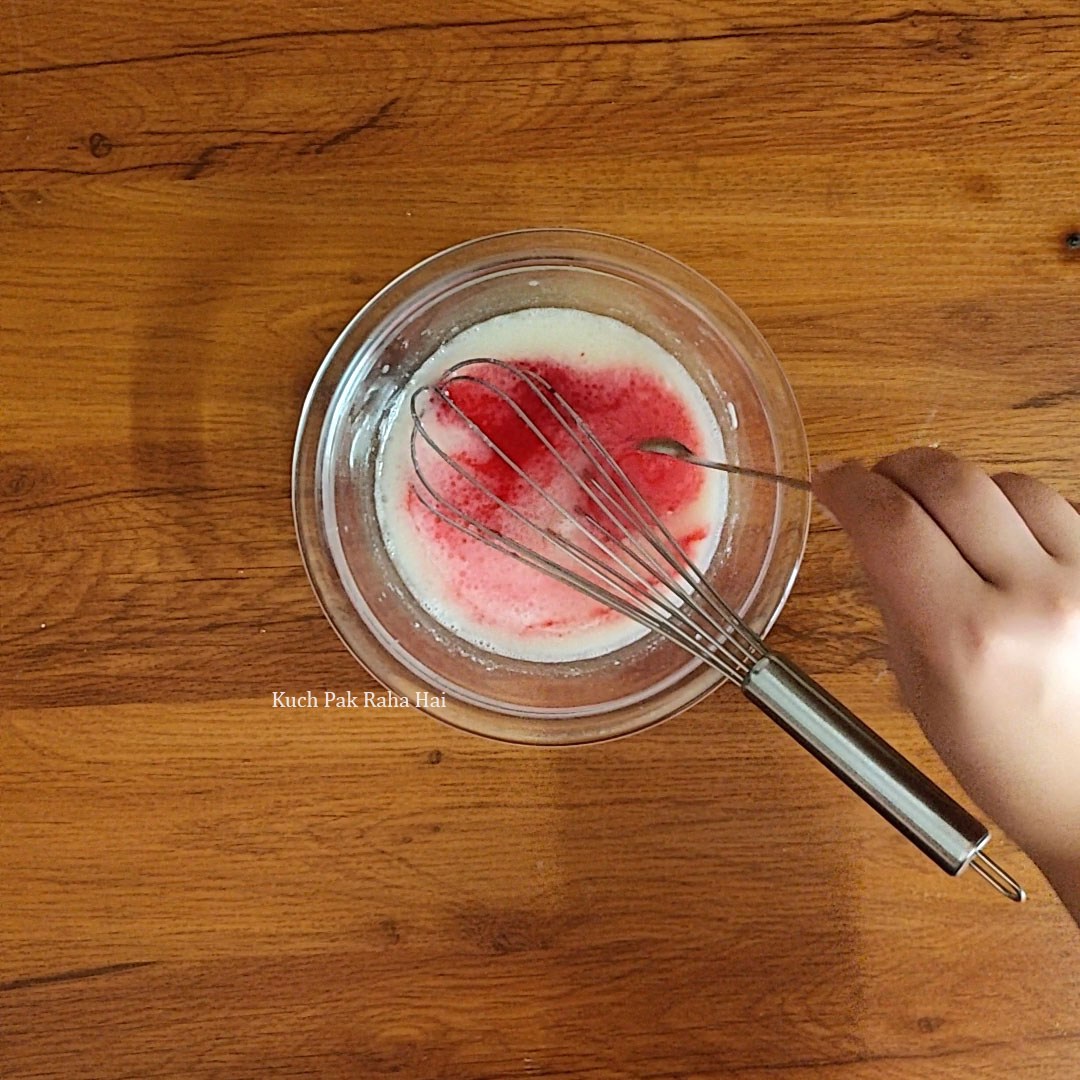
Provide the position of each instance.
(345, 419)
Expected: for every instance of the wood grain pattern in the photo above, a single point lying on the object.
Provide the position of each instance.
(192, 203)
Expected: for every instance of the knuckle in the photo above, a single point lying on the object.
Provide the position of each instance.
(982, 638)
(1058, 606)
(987, 637)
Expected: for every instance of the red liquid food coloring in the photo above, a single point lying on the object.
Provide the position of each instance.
(621, 405)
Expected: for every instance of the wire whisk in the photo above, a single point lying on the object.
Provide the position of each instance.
(586, 524)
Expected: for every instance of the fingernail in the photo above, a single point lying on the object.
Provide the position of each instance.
(825, 466)
(827, 513)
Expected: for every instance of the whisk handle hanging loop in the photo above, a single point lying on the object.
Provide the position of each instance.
(931, 819)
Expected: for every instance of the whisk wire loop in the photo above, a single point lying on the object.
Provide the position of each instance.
(623, 541)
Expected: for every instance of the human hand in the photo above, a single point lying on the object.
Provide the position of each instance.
(978, 582)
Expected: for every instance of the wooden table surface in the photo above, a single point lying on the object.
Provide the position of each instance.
(193, 201)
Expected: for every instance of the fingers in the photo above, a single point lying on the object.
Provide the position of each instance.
(1051, 518)
(914, 569)
(971, 510)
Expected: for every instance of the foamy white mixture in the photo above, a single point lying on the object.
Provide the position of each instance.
(575, 338)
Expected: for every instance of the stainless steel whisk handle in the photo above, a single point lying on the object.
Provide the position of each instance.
(931, 819)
